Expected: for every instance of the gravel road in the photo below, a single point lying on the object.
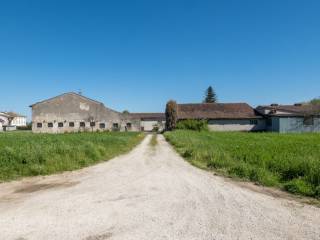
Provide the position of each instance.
(150, 193)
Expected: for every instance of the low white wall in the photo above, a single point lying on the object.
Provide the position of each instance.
(237, 125)
(19, 121)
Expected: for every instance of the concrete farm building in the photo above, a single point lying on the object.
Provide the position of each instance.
(72, 112)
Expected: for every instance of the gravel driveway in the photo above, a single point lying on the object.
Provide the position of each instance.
(150, 193)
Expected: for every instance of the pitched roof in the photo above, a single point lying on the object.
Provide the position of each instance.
(75, 94)
(148, 116)
(68, 93)
(291, 110)
(216, 111)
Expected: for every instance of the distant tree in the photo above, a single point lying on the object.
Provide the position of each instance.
(171, 115)
(315, 101)
(125, 112)
(210, 96)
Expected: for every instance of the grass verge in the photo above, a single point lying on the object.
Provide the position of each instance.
(153, 141)
(27, 154)
(288, 161)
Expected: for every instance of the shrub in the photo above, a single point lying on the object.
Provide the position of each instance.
(195, 125)
(299, 186)
(25, 128)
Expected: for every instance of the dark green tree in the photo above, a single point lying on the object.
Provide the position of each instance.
(210, 96)
(171, 115)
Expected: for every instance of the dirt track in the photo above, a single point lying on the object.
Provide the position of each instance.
(150, 193)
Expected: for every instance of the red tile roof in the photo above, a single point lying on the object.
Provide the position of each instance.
(216, 111)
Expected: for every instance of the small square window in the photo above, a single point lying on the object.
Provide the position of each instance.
(82, 124)
(115, 125)
(254, 122)
(50, 125)
(39, 125)
(129, 125)
(308, 121)
(60, 124)
(92, 124)
(102, 125)
(71, 124)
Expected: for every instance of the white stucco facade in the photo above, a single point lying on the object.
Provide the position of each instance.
(19, 121)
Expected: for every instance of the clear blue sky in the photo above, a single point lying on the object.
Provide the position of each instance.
(136, 55)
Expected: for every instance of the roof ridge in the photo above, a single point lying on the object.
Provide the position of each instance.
(66, 93)
(212, 103)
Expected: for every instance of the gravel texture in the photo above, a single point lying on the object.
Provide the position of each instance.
(150, 193)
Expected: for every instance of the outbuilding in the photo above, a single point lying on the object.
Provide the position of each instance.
(72, 112)
(223, 116)
(291, 118)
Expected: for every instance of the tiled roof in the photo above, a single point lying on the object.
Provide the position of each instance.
(216, 111)
(296, 110)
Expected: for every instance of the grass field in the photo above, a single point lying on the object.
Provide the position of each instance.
(288, 161)
(28, 154)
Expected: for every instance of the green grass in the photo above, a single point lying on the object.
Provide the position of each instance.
(27, 154)
(153, 141)
(287, 161)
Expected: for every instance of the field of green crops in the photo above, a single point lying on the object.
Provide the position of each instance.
(287, 161)
(27, 154)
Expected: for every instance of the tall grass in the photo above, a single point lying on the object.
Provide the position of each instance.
(28, 154)
(288, 161)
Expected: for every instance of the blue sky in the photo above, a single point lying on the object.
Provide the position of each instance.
(136, 55)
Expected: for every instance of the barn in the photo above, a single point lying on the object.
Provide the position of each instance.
(72, 112)
(223, 116)
(291, 118)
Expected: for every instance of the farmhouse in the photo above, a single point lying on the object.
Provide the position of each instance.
(223, 116)
(72, 112)
(11, 120)
(291, 118)
(17, 120)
